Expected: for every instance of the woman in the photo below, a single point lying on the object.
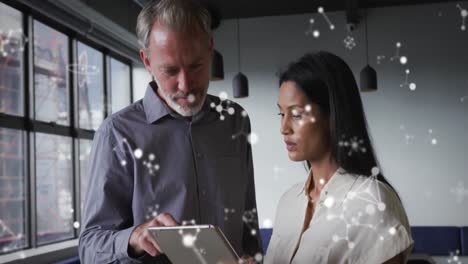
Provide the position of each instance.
(346, 211)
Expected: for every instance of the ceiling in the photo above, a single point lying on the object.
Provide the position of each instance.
(224, 9)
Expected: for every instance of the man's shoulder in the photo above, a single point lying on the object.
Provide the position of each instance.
(123, 118)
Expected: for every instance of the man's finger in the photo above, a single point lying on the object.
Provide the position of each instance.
(166, 219)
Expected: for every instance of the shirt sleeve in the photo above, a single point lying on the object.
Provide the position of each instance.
(251, 243)
(395, 235)
(107, 218)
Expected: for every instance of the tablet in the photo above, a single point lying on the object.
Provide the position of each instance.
(203, 244)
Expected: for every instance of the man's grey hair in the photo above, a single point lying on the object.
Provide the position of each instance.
(178, 15)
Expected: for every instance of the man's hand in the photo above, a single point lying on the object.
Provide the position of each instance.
(247, 260)
(141, 240)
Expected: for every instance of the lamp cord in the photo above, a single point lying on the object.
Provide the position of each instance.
(238, 46)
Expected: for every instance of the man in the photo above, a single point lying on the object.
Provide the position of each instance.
(169, 157)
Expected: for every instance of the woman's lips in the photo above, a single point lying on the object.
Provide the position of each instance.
(291, 146)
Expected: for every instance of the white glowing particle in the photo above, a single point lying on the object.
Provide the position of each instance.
(223, 96)
(329, 202)
(76, 225)
(320, 9)
(267, 223)
(375, 171)
(308, 108)
(316, 33)
(322, 181)
(123, 162)
(258, 257)
(392, 231)
(188, 240)
(403, 60)
(412, 86)
(231, 110)
(252, 138)
(151, 156)
(138, 153)
(253, 232)
(434, 141)
(398, 44)
(191, 98)
(381, 206)
(244, 113)
(219, 108)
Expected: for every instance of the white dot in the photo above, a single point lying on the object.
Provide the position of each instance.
(407, 71)
(322, 181)
(464, 13)
(381, 206)
(76, 225)
(151, 156)
(123, 162)
(191, 98)
(253, 232)
(392, 231)
(412, 86)
(231, 111)
(332, 27)
(462, 28)
(329, 202)
(252, 138)
(267, 223)
(403, 60)
(188, 240)
(156, 167)
(311, 21)
(312, 119)
(219, 108)
(221, 117)
(320, 9)
(138, 153)
(244, 113)
(381, 238)
(434, 141)
(316, 33)
(223, 96)
(398, 44)
(308, 108)
(370, 209)
(258, 257)
(375, 171)
(212, 105)
(301, 123)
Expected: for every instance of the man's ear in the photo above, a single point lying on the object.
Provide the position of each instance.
(144, 56)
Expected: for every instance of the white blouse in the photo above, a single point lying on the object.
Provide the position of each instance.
(356, 220)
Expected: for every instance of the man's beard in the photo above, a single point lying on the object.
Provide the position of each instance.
(186, 110)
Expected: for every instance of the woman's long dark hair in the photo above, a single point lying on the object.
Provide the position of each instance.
(329, 82)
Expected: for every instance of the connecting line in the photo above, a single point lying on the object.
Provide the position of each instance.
(463, 14)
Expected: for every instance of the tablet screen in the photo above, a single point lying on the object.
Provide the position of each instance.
(204, 244)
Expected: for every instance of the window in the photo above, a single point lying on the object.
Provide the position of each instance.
(90, 86)
(120, 85)
(54, 188)
(40, 203)
(51, 95)
(85, 151)
(12, 41)
(12, 191)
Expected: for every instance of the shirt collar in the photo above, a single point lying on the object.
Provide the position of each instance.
(155, 108)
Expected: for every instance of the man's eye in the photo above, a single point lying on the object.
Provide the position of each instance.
(281, 114)
(171, 72)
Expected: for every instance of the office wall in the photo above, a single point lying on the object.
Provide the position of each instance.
(403, 123)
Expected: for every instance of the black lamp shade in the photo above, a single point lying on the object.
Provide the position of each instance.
(240, 86)
(217, 67)
(368, 79)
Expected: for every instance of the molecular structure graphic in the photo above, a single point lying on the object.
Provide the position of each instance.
(409, 138)
(460, 192)
(349, 42)
(315, 32)
(410, 85)
(150, 164)
(12, 42)
(223, 106)
(364, 192)
(454, 257)
(431, 137)
(463, 14)
(353, 145)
